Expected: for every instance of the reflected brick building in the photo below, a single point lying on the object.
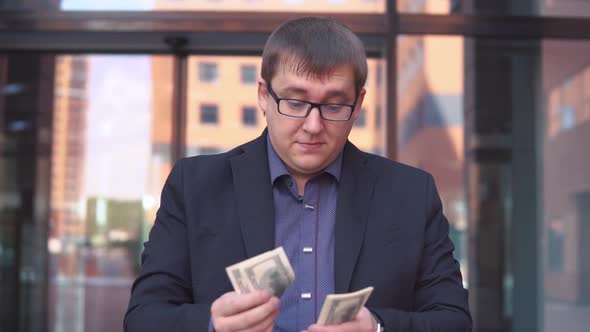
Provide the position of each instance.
(566, 199)
(68, 153)
(430, 112)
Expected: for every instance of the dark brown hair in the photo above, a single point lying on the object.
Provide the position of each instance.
(314, 46)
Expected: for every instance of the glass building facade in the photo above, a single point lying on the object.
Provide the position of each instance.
(99, 98)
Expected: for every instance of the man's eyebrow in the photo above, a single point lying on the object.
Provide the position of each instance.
(329, 94)
(294, 90)
(337, 93)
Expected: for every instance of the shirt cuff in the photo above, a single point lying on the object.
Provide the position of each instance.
(377, 318)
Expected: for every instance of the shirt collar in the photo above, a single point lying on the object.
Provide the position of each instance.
(278, 168)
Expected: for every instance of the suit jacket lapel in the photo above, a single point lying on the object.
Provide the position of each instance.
(255, 205)
(354, 195)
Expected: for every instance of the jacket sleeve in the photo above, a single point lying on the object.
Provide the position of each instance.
(440, 299)
(161, 296)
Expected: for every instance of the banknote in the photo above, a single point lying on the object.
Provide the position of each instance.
(340, 308)
(270, 271)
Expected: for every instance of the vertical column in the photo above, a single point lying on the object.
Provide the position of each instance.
(502, 97)
(526, 225)
(487, 137)
(391, 124)
(24, 213)
(179, 97)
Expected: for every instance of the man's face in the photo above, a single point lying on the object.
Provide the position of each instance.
(308, 145)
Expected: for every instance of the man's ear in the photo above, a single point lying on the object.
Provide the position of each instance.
(359, 104)
(262, 95)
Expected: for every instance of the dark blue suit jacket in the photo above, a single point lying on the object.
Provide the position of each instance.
(218, 210)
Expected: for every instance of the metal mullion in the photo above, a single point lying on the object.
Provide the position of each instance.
(173, 22)
(179, 106)
(139, 32)
(500, 27)
(265, 22)
(44, 154)
(230, 43)
(391, 123)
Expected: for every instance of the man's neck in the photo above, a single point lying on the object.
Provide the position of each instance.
(300, 182)
(301, 179)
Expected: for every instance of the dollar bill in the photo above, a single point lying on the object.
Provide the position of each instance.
(340, 308)
(270, 271)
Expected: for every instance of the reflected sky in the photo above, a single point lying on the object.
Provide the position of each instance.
(119, 126)
(107, 4)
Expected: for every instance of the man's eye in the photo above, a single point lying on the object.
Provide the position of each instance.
(294, 104)
(334, 108)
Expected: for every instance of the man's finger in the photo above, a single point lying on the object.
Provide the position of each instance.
(363, 321)
(266, 325)
(352, 326)
(232, 303)
(249, 318)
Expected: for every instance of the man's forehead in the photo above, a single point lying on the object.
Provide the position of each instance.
(342, 73)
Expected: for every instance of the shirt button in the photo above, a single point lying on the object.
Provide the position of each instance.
(308, 249)
(306, 296)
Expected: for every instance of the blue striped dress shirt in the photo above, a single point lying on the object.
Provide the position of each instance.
(304, 226)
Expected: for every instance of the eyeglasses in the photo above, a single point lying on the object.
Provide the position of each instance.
(296, 108)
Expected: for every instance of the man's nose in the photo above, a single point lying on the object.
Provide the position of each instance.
(313, 122)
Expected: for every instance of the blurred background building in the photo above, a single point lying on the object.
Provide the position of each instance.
(99, 98)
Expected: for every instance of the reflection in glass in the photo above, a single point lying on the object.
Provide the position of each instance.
(566, 194)
(26, 89)
(369, 134)
(365, 6)
(430, 118)
(110, 152)
(427, 6)
(566, 8)
(217, 122)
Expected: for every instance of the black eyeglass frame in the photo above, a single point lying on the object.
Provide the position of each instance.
(311, 106)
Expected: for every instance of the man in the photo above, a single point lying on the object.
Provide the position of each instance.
(346, 219)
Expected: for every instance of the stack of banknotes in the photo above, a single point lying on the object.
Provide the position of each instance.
(272, 271)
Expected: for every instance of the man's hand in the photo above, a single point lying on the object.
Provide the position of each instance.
(255, 311)
(364, 322)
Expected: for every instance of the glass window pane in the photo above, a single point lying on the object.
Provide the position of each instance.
(431, 126)
(565, 8)
(92, 5)
(209, 114)
(427, 6)
(207, 72)
(503, 126)
(566, 194)
(237, 117)
(366, 6)
(361, 121)
(249, 116)
(25, 126)
(249, 74)
(110, 156)
(369, 135)
(229, 95)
